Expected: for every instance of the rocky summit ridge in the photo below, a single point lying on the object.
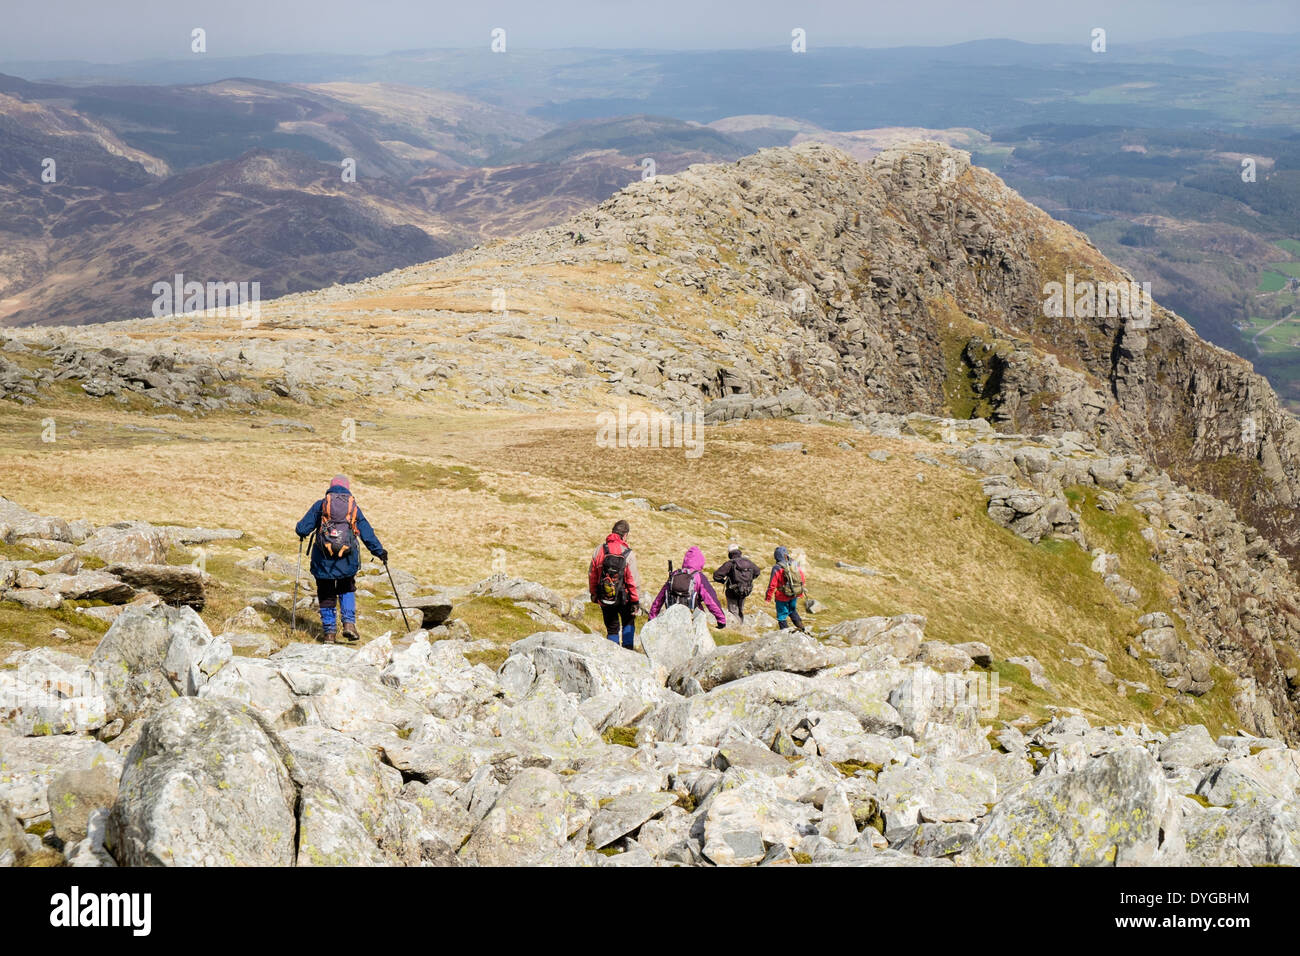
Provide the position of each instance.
(920, 283)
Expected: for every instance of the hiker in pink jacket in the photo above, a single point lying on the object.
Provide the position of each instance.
(690, 586)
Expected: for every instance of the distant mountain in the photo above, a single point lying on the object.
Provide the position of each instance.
(1139, 147)
(505, 200)
(656, 136)
(276, 218)
(391, 131)
(1186, 83)
(243, 180)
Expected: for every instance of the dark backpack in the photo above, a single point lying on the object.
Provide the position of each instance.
(338, 525)
(791, 582)
(611, 586)
(682, 589)
(740, 579)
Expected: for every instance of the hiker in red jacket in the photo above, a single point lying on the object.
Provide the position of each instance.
(614, 584)
(688, 585)
(787, 583)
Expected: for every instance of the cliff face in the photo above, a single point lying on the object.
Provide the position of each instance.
(918, 282)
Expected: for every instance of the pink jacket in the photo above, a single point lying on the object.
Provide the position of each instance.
(693, 560)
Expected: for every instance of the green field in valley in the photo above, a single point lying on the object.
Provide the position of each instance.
(1278, 273)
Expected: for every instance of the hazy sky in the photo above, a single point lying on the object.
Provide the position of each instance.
(109, 31)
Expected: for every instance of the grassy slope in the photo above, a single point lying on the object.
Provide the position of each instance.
(444, 487)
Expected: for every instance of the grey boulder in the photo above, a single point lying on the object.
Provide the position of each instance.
(1116, 810)
(151, 654)
(205, 785)
(530, 822)
(676, 636)
(791, 651)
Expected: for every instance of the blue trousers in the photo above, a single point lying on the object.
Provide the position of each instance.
(340, 591)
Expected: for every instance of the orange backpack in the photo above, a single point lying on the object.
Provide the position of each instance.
(338, 525)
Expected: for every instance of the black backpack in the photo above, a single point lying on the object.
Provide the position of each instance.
(740, 580)
(681, 589)
(611, 587)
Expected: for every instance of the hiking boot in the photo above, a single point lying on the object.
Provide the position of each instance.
(350, 632)
(330, 637)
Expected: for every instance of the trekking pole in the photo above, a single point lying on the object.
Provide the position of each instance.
(297, 573)
(399, 598)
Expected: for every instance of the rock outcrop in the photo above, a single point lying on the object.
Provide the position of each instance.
(1237, 596)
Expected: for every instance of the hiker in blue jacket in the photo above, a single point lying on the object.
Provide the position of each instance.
(335, 555)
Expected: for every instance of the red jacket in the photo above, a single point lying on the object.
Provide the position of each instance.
(616, 545)
(778, 576)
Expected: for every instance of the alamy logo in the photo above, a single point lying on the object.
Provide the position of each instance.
(932, 691)
(242, 299)
(74, 909)
(46, 696)
(654, 429)
(1087, 299)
